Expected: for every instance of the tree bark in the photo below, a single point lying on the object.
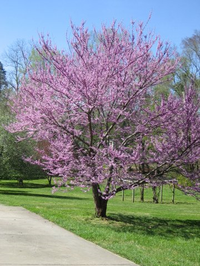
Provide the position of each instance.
(49, 180)
(100, 203)
(142, 194)
(133, 195)
(155, 195)
(173, 193)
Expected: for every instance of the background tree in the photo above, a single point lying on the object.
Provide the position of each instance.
(191, 52)
(13, 165)
(3, 82)
(190, 67)
(93, 108)
(16, 58)
(12, 152)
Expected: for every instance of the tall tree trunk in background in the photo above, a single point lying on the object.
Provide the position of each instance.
(173, 193)
(155, 194)
(142, 194)
(49, 180)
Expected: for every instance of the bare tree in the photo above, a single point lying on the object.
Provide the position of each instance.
(190, 68)
(191, 51)
(16, 59)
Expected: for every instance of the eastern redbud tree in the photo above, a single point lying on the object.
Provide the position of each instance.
(92, 105)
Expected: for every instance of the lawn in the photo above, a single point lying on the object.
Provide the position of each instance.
(149, 234)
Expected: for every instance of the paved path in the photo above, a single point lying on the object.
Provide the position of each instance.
(27, 239)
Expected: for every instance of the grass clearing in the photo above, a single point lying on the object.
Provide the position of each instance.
(149, 234)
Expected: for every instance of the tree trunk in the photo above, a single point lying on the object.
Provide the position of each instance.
(161, 194)
(133, 195)
(173, 193)
(49, 180)
(142, 194)
(155, 195)
(100, 203)
(20, 182)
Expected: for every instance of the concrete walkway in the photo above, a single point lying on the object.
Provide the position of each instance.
(28, 239)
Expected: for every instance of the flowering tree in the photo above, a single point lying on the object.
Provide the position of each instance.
(93, 107)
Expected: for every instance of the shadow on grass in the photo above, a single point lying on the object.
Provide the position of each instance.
(151, 226)
(25, 193)
(15, 184)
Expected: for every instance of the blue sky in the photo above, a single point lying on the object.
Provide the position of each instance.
(173, 20)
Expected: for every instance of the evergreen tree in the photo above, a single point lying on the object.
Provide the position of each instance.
(3, 81)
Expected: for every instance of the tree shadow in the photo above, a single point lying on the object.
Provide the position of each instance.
(187, 229)
(25, 185)
(26, 193)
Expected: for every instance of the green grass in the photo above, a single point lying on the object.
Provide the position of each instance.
(149, 234)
